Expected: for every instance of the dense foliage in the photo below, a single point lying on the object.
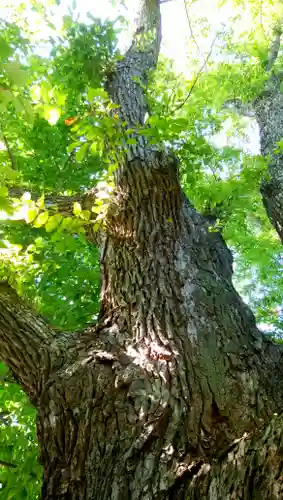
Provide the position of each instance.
(60, 136)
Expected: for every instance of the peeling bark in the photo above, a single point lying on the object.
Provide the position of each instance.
(148, 404)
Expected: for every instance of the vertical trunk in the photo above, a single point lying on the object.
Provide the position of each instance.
(176, 369)
(269, 114)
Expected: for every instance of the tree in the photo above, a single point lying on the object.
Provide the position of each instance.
(241, 85)
(172, 392)
(257, 58)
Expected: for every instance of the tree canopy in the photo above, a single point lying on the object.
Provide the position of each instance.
(61, 138)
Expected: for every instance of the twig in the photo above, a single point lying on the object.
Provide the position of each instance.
(261, 19)
(275, 46)
(191, 29)
(9, 152)
(3, 463)
(196, 78)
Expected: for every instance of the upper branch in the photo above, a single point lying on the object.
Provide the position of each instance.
(127, 86)
(60, 203)
(10, 153)
(242, 108)
(24, 340)
(198, 75)
(275, 46)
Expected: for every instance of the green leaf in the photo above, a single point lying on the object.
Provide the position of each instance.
(67, 22)
(93, 93)
(40, 202)
(131, 141)
(77, 208)
(5, 49)
(51, 114)
(41, 219)
(53, 222)
(31, 215)
(280, 144)
(3, 192)
(17, 76)
(73, 146)
(35, 92)
(85, 215)
(80, 155)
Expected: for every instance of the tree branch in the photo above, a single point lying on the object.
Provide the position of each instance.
(275, 46)
(242, 108)
(62, 204)
(191, 29)
(24, 340)
(3, 463)
(10, 153)
(261, 19)
(196, 78)
(130, 79)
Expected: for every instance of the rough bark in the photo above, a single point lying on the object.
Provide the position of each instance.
(268, 107)
(252, 468)
(148, 404)
(269, 114)
(24, 340)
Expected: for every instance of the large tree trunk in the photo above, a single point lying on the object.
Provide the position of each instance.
(148, 403)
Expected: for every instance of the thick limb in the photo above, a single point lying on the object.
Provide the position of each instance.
(25, 340)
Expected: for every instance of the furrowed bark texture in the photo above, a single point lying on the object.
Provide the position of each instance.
(251, 469)
(147, 404)
(24, 337)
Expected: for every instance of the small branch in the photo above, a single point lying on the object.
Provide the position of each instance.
(191, 29)
(3, 463)
(62, 204)
(261, 19)
(9, 152)
(7, 380)
(70, 157)
(196, 78)
(275, 46)
(243, 109)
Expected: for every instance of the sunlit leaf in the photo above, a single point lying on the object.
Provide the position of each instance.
(82, 152)
(41, 219)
